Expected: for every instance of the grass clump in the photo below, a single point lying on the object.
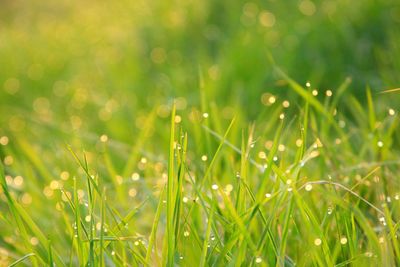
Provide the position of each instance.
(199, 133)
(296, 190)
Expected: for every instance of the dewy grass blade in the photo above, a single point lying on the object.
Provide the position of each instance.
(153, 234)
(203, 259)
(170, 194)
(102, 225)
(208, 170)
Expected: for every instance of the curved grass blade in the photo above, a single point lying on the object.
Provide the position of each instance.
(21, 259)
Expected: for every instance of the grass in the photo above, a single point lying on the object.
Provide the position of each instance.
(306, 205)
(175, 134)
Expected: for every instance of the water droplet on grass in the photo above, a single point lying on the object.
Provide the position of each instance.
(34, 241)
(272, 99)
(135, 176)
(285, 104)
(317, 242)
(104, 138)
(4, 140)
(330, 210)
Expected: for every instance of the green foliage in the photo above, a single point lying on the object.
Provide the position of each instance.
(210, 133)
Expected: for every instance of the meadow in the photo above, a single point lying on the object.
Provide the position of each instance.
(200, 133)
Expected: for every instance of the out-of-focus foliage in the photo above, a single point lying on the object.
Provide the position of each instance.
(101, 77)
(146, 51)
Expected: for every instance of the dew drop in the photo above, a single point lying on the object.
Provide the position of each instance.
(135, 176)
(330, 210)
(104, 138)
(272, 99)
(368, 254)
(285, 104)
(328, 93)
(4, 140)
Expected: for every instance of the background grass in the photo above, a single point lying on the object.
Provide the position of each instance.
(199, 133)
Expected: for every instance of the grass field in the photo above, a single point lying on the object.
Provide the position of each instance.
(200, 133)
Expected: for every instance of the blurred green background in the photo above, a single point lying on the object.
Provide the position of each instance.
(81, 56)
(71, 72)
